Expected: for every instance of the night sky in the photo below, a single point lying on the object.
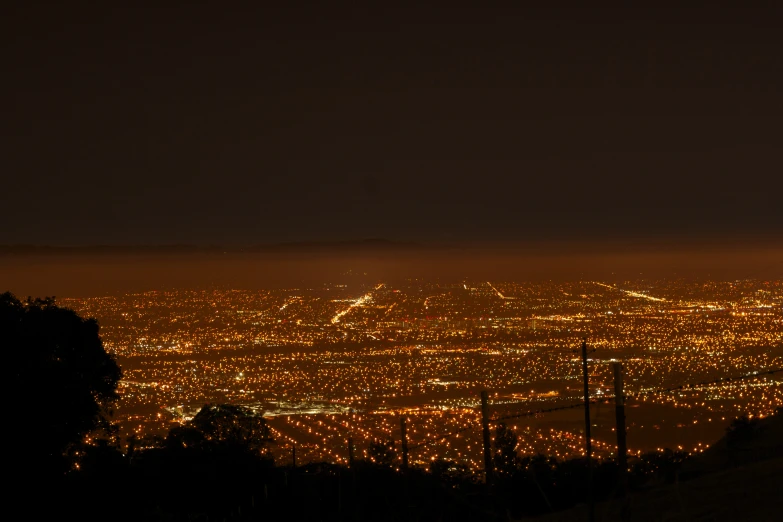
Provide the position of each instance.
(218, 125)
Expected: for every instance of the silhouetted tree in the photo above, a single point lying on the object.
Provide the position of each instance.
(382, 453)
(184, 437)
(64, 380)
(214, 461)
(223, 425)
(101, 460)
(452, 473)
(740, 431)
(654, 465)
(505, 457)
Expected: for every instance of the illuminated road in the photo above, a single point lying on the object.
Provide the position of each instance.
(631, 293)
(358, 302)
(496, 290)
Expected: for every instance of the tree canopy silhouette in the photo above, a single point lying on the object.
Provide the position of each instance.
(382, 453)
(505, 458)
(65, 381)
(223, 425)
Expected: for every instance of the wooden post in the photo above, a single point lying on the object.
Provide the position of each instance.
(339, 495)
(404, 436)
(485, 433)
(622, 449)
(588, 439)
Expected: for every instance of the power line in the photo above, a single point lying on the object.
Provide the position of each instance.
(426, 442)
(750, 375)
(550, 410)
(606, 399)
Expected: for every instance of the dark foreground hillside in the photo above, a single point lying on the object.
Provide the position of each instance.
(739, 478)
(751, 492)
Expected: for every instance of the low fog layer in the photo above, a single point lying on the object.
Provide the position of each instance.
(78, 275)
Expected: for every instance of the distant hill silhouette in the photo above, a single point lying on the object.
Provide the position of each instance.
(369, 244)
(360, 244)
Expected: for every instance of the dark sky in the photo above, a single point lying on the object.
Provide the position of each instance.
(217, 125)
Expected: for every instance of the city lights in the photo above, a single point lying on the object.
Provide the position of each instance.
(323, 372)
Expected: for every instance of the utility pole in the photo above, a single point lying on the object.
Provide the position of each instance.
(619, 401)
(588, 442)
(485, 433)
(352, 472)
(339, 495)
(293, 456)
(404, 435)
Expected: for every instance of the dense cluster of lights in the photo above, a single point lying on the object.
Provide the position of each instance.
(343, 362)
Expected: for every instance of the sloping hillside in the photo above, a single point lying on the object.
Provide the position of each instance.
(739, 478)
(745, 442)
(752, 492)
